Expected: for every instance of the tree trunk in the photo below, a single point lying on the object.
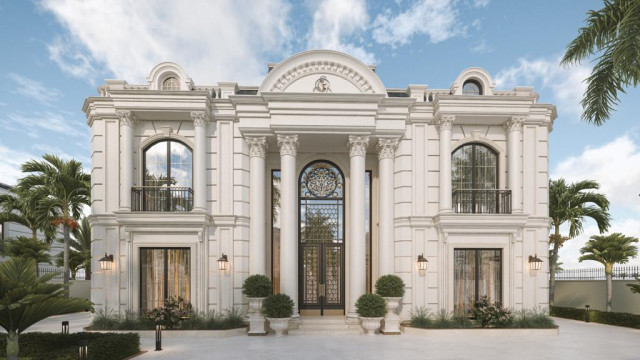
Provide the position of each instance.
(12, 346)
(87, 271)
(608, 269)
(65, 258)
(552, 265)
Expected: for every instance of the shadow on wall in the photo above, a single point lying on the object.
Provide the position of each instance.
(578, 293)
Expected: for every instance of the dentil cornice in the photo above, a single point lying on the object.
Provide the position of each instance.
(257, 146)
(445, 121)
(288, 144)
(387, 147)
(127, 118)
(515, 123)
(200, 118)
(357, 145)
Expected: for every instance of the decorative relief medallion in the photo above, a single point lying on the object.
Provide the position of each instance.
(257, 146)
(387, 147)
(322, 85)
(200, 119)
(311, 67)
(127, 118)
(515, 123)
(288, 144)
(445, 122)
(358, 145)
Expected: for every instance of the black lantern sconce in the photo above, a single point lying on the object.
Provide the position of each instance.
(158, 336)
(223, 262)
(422, 262)
(83, 350)
(106, 262)
(535, 263)
(65, 327)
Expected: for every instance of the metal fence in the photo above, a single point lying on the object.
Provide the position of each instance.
(481, 201)
(43, 270)
(619, 273)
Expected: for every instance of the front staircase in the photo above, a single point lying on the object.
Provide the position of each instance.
(325, 325)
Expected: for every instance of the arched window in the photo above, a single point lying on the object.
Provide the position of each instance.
(171, 83)
(471, 87)
(474, 179)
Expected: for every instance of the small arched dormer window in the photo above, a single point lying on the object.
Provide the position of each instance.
(171, 83)
(471, 87)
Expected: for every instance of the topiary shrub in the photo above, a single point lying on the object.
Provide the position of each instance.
(371, 305)
(491, 314)
(257, 286)
(277, 306)
(390, 286)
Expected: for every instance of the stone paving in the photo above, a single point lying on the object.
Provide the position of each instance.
(577, 340)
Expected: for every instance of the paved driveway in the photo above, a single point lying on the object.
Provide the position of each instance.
(577, 340)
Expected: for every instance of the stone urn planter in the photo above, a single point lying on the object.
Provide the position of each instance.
(391, 288)
(279, 325)
(256, 319)
(371, 309)
(256, 288)
(371, 324)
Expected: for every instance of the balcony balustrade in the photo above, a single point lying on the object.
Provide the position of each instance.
(481, 201)
(161, 198)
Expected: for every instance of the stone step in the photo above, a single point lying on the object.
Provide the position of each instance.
(322, 320)
(324, 332)
(327, 327)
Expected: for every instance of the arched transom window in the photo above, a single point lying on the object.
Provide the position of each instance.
(168, 163)
(474, 166)
(171, 83)
(471, 87)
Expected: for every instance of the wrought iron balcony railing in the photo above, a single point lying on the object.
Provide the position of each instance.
(481, 201)
(161, 198)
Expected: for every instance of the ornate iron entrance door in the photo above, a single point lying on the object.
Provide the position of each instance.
(321, 236)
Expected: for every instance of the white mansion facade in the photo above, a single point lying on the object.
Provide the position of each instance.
(322, 179)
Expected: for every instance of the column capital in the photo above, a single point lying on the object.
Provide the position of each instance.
(357, 145)
(387, 147)
(288, 144)
(515, 123)
(445, 121)
(127, 118)
(257, 146)
(200, 118)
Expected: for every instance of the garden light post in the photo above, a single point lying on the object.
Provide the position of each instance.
(65, 327)
(158, 336)
(83, 350)
(587, 313)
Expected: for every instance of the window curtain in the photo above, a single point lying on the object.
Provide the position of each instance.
(477, 273)
(465, 280)
(164, 273)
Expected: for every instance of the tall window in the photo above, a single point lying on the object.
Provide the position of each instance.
(168, 163)
(477, 273)
(164, 273)
(474, 166)
(171, 83)
(471, 87)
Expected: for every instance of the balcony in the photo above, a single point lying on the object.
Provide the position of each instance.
(161, 199)
(477, 201)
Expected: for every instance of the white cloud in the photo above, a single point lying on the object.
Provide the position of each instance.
(34, 89)
(50, 149)
(47, 121)
(212, 40)
(481, 48)
(436, 19)
(481, 3)
(335, 21)
(10, 162)
(566, 83)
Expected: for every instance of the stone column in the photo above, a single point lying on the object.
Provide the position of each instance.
(357, 242)
(288, 145)
(258, 210)
(200, 123)
(514, 130)
(386, 154)
(444, 125)
(127, 122)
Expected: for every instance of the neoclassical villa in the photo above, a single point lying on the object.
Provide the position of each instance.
(322, 179)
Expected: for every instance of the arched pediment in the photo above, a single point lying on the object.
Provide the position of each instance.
(479, 75)
(322, 71)
(165, 70)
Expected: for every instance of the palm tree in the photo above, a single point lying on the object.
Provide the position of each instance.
(21, 208)
(67, 189)
(29, 248)
(611, 32)
(79, 250)
(26, 299)
(572, 204)
(635, 288)
(609, 250)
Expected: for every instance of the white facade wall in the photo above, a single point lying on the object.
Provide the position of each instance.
(286, 104)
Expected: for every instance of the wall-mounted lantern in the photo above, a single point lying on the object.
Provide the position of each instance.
(106, 262)
(535, 263)
(422, 262)
(223, 262)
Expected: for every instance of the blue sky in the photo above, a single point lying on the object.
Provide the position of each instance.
(58, 52)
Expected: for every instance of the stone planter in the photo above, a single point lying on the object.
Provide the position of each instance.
(256, 319)
(370, 325)
(279, 325)
(392, 319)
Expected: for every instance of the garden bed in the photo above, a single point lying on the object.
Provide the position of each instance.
(597, 316)
(480, 332)
(149, 334)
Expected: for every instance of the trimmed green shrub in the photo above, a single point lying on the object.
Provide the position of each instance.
(491, 314)
(257, 286)
(57, 346)
(532, 319)
(420, 318)
(277, 306)
(602, 317)
(390, 286)
(175, 310)
(371, 305)
(110, 320)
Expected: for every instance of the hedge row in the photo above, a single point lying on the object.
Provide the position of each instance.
(56, 346)
(597, 316)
